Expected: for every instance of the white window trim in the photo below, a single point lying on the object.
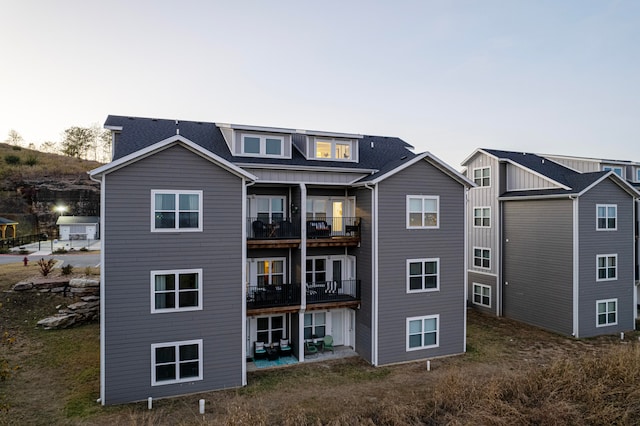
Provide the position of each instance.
(473, 255)
(253, 278)
(177, 273)
(473, 177)
(424, 290)
(176, 193)
(606, 302)
(422, 318)
(315, 324)
(176, 346)
(473, 294)
(606, 206)
(333, 143)
(270, 330)
(263, 146)
(606, 256)
(614, 169)
(481, 208)
(423, 197)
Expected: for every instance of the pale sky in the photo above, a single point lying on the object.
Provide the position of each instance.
(557, 77)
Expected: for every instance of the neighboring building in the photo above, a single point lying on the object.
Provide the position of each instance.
(550, 245)
(78, 227)
(218, 236)
(10, 224)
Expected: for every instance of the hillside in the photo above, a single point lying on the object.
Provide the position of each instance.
(32, 183)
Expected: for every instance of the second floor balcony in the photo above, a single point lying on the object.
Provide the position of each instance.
(265, 232)
(342, 292)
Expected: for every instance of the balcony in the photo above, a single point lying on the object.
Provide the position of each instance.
(321, 232)
(280, 297)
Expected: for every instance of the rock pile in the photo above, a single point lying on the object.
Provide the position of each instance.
(86, 291)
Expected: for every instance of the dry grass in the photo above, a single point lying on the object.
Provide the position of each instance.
(512, 374)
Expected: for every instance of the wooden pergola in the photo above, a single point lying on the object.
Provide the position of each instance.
(4, 223)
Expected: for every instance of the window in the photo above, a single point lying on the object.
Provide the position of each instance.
(316, 270)
(607, 312)
(482, 257)
(179, 290)
(270, 272)
(607, 217)
(176, 210)
(607, 267)
(482, 295)
(422, 332)
(422, 275)
(423, 211)
(176, 362)
(637, 175)
(482, 217)
(270, 209)
(330, 149)
(270, 329)
(315, 325)
(616, 170)
(482, 176)
(262, 145)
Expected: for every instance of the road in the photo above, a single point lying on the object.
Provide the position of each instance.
(77, 260)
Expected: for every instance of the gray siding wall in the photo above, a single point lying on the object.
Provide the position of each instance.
(397, 244)
(131, 251)
(593, 243)
(519, 179)
(538, 259)
(364, 262)
(489, 280)
(577, 164)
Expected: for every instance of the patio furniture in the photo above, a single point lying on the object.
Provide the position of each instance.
(285, 349)
(259, 351)
(272, 353)
(318, 228)
(328, 343)
(310, 349)
(259, 229)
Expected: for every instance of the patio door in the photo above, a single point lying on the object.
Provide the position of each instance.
(337, 212)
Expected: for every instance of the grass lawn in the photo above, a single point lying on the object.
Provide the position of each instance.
(511, 374)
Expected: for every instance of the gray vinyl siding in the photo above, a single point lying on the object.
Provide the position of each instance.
(364, 262)
(485, 279)
(593, 243)
(537, 261)
(131, 251)
(580, 165)
(297, 176)
(484, 197)
(520, 179)
(396, 244)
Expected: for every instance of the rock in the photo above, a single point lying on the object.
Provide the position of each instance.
(58, 321)
(23, 286)
(83, 283)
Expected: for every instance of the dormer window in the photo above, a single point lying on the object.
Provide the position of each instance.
(262, 145)
(616, 170)
(331, 149)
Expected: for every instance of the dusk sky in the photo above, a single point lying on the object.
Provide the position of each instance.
(557, 77)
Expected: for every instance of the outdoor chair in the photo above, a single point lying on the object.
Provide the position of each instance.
(259, 352)
(310, 349)
(259, 229)
(285, 349)
(328, 343)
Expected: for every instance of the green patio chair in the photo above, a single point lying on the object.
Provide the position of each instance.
(310, 349)
(328, 343)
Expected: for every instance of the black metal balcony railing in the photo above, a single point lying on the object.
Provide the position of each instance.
(326, 291)
(273, 295)
(290, 294)
(265, 228)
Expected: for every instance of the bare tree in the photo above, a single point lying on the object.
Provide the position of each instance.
(14, 138)
(50, 147)
(78, 141)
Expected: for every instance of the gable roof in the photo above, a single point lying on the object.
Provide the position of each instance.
(570, 182)
(136, 134)
(78, 220)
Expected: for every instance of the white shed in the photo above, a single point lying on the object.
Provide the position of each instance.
(79, 227)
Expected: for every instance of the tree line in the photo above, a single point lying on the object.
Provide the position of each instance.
(89, 143)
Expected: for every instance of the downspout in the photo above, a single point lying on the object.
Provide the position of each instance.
(576, 267)
(243, 268)
(103, 280)
(374, 273)
(303, 269)
(465, 266)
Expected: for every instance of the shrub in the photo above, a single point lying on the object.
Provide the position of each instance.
(84, 249)
(12, 159)
(31, 160)
(60, 250)
(67, 269)
(16, 148)
(46, 266)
